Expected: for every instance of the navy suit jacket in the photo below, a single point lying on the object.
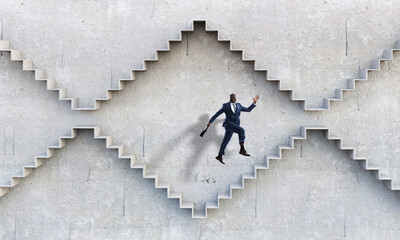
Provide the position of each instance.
(231, 117)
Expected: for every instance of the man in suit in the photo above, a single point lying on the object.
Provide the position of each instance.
(232, 123)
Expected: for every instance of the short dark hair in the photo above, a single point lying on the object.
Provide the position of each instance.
(232, 94)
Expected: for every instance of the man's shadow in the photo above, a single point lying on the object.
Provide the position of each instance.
(197, 144)
(200, 144)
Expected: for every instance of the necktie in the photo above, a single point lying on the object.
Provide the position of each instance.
(234, 107)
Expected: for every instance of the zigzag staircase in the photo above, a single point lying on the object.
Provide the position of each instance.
(351, 83)
(27, 65)
(363, 162)
(39, 160)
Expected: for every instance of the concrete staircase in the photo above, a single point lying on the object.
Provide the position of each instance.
(27, 65)
(15, 55)
(39, 161)
(97, 134)
(363, 162)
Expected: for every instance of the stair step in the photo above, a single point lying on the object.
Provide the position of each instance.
(127, 156)
(260, 166)
(139, 165)
(151, 175)
(236, 186)
(276, 157)
(116, 146)
(212, 205)
(383, 177)
(175, 195)
(248, 176)
(224, 195)
(163, 185)
(199, 215)
(103, 136)
(30, 165)
(187, 204)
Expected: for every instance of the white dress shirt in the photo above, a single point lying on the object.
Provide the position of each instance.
(233, 105)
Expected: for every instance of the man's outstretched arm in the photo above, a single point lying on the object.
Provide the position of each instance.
(216, 115)
(253, 105)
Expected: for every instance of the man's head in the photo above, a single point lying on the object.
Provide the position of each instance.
(233, 98)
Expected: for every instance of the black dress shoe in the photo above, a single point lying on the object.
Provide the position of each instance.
(244, 153)
(219, 158)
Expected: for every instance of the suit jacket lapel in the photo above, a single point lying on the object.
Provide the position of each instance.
(229, 107)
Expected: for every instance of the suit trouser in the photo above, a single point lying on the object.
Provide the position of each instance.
(229, 130)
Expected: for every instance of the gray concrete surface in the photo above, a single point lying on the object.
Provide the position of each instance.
(320, 195)
(314, 192)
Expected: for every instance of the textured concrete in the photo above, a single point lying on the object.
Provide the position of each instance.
(319, 195)
(84, 191)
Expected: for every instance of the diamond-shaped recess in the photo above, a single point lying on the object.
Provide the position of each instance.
(172, 194)
(63, 92)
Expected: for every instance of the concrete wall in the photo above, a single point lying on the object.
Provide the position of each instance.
(315, 192)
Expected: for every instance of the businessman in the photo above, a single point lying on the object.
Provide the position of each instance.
(232, 123)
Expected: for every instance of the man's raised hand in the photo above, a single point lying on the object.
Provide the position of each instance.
(256, 99)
